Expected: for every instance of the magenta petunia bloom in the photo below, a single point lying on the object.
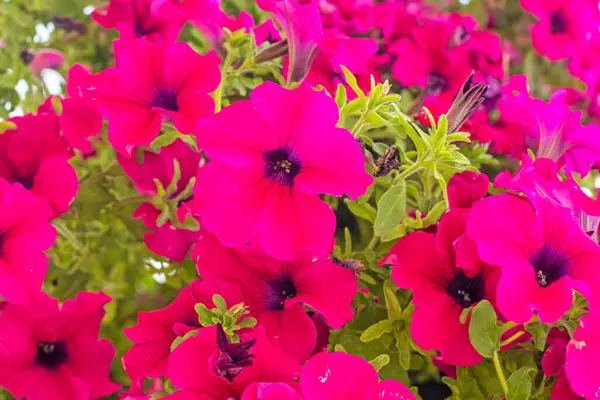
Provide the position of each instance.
(270, 391)
(142, 18)
(52, 352)
(212, 24)
(466, 188)
(582, 357)
(270, 158)
(166, 240)
(41, 59)
(301, 22)
(266, 32)
(561, 26)
(80, 119)
(342, 376)
(543, 254)
(161, 167)
(553, 364)
(36, 156)
(276, 291)
(551, 129)
(209, 366)
(156, 330)
(425, 60)
(446, 276)
(151, 84)
(351, 17)
(26, 234)
(336, 50)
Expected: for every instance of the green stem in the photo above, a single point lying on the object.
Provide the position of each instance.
(374, 241)
(219, 92)
(500, 373)
(511, 339)
(63, 231)
(409, 171)
(361, 121)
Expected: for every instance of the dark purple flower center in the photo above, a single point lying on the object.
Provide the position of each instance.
(51, 355)
(558, 22)
(436, 84)
(165, 99)
(26, 182)
(550, 265)
(466, 291)
(277, 290)
(233, 357)
(282, 165)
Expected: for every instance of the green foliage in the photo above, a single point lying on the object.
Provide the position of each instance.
(483, 329)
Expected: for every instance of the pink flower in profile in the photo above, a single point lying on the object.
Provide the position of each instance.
(211, 25)
(342, 376)
(152, 84)
(41, 59)
(467, 188)
(350, 17)
(275, 292)
(166, 240)
(336, 50)
(301, 22)
(80, 119)
(26, 234)
(543, 254)
(552, 130)
(208, 366)
(156, 330)
(266, 32)
(141, 18)
(582, 356)
(270, 158)
(36, 156)
(561, 26)
(52, 352)
(446, 276)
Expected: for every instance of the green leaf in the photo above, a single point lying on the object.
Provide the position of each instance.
(519, 384)
(340, 96)
(403, 346)
(391, 209)
(220, 303)
(391, 301)
(249, 322)
(351, 81)
(180, 339)
(364, 211)
(375, 331)
(205, 315)
(165, 139)
(347, 243)
(7, 125)
(380, 361)
(539, 332)
(483, 329)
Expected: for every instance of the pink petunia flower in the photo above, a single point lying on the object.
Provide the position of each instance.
(36, 156)
(424, 60)
(276, 291)
(551, 130)
(208, 366)
(270, 158)
(553, 364)
(156, 330)
(152, 84)
(80, 119)
(336, 50)
(446, 276)
(26, 234)
(166, 240)
(582, 356)
(266, 32)
(561, 26)
(342, 376)
(467, 188)
(142, 18)
(52, 352)
(211, 25)
(542, 251)
(301, 22)
(270, 391)
(41, 59)
(350, 17)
